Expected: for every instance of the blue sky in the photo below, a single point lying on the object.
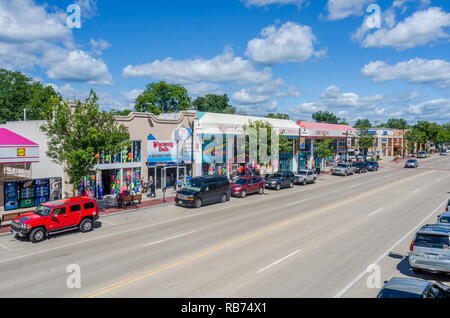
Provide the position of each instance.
(293, 56)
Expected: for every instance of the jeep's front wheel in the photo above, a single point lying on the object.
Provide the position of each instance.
(86, 225)
(37, 235)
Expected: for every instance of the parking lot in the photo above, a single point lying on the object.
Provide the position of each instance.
(315, 240)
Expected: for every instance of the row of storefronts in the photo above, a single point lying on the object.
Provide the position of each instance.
(171, 147)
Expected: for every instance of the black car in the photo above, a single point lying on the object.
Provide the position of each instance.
(372, 166)
(278, 180)
(360, 167)
(204, 190)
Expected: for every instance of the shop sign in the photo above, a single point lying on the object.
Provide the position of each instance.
(20, 152)
(160, 150)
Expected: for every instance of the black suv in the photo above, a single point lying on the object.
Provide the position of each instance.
(204, 190)
(278, 180)
(360, 167)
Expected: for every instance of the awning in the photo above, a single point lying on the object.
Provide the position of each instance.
(15, 148)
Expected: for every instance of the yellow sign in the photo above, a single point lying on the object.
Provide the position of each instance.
(20, 152)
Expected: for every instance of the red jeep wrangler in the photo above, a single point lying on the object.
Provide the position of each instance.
(56, 216)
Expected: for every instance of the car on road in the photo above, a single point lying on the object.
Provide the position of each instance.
(343, 168)
(443, 152)
(411, 163)
(372, 166)
(247, 185)
(404, 287)
(422, 154)
(280, 180)
(360, 167)
(444, 219)
(448, 205)
(430, 249)
(204, 190)
(55, 217)
(305, 176)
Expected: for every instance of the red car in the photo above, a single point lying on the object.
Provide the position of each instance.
(246, 185)
(55, 217)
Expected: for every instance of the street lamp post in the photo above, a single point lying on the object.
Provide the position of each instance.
(403, 139)
(300, 137)
(346, 144)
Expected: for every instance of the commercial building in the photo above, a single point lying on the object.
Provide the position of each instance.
(387, 142)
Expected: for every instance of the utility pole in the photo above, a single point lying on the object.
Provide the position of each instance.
(25, 114)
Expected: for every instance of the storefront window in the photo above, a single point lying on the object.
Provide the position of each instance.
(136, 151)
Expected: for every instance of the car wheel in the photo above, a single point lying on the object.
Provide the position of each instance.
(224, 198)
(304, 182)
(85, 225)
(416, 270)
(291, 185)
(37, 235)
(198, 203)
(243, 194)
(277, 187)
(261, 190)
(345, 174)
(314, 180)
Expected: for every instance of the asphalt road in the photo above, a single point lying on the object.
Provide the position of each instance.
(310, 241)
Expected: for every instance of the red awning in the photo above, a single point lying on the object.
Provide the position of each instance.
(15, 148)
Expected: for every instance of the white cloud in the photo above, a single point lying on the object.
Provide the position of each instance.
(262, 3)
(423, 27)
(78, 66)
(433, 110)
(340, 9)
(98, 46)
(203, 88)
(130, 96)
(263, 93)
(290, 43)
(222, 68)
(261, 109)
(88, 8)
(414, 71)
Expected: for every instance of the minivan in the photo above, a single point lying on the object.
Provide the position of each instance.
(204, 190)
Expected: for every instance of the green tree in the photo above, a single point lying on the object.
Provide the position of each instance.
(214, 104)
(325, 117)
(364, 141)
(429, 130)
(362, 124)
(413, 137)
(343, 121)
(76, 136)
(19, 92)
(277, 116)
(161, 97)
(396, 123)
(123, 112)
(323, 148)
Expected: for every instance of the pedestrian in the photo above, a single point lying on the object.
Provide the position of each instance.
(180, 184)
(246, 170)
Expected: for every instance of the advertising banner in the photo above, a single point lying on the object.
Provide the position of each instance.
(26, 191)
(42, 191)
(55, 189)
(11, 196)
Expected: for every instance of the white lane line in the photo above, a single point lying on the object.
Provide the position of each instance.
(415, 191)
(279, 261)
(364, 272)
(110, 223)
(5, 247)
(170, 238)
(375, 212)
(296, 202)
(354, 186)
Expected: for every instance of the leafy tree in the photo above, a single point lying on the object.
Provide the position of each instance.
(325, 117)
(429, 130)
(396, 123)
(19, 92)
(343, 121)
(277, 116)
(364, 141)
(413, 137)
(323, 148)
(161, 97)
(363, 124)
(117, 112)
(214, 104)
(76, 136)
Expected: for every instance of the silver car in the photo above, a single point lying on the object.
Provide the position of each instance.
(402, 287)
(305, 176)
(444, 219)
(422, 154)
(411, 163)
(430, 249)
(343, 169)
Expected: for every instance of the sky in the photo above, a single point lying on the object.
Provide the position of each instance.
(355, 58)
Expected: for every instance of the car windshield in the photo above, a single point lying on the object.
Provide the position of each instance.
(372, 163)
(411, 161)
(194, 184)
(341, 165)
(42, 210)
(433, 241)
(240, 181)
(391, 293)
(302, 172)
(275, 175)
(445, 219)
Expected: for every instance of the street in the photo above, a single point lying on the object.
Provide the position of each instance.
(309, 241)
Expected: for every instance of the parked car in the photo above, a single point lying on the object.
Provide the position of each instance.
(403, 287)
(430, 249)
(444, 219)
(411, 163)
(55, 217)
(305, 176)
(247, 185)
(448, 205)
(343, 168)
(280, 180)
(204, 190)
(360, 167)
(443, 152)
(372, 166)
(422, 154)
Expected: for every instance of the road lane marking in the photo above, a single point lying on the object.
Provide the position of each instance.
(354, 186)
(252, 235)
(364, 272)
(277, 262)
(415, 191)
(375, 212)
(170, 238)
(296, 202)
(110, 223)
(5, 247)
